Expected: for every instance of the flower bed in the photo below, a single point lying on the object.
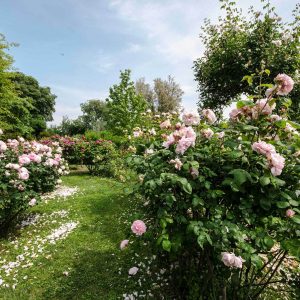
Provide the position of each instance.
(27, 169)
(100, 156)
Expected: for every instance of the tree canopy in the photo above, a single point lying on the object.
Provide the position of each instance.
(239, 46)
(124, 105)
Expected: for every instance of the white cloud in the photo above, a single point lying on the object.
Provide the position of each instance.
(102, 62)
(134, 48)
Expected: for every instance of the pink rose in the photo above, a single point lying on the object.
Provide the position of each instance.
(228, 259)
(289, 213)
(23, 173)
(262, 106)
(165, 125)
(285, 84)
(220, 135)
(124, 244)
(231, 260)
(276, 163)
(170, 141)
(138, 227)
(270, 91)
(24, 160)
(191, 118)
(209, 115)
(32, 202)
(234, 114)
(133, 270)
(263, 148)
(184, 144)
(207, 133)
(177, 163)
(194, 172)
(3, 146)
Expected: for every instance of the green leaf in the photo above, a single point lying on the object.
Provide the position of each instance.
(197, 201)
(282, 204)
(294, 202)
(240, 176)
(264, 180)
(296, 219)
(265, 203)
(268, 242)
(166, 244)
(256, 261)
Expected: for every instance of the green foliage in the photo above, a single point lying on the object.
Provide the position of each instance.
(240, 45)
(41, 100)
(94, 114)
(124, 106)
(14, 111)
(222, 194)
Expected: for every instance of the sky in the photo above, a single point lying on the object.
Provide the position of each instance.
(78, 47)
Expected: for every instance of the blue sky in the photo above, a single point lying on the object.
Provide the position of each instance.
(78, 47)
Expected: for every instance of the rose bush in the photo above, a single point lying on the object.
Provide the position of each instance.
(100, 156)
(222, 197)
(27, 169)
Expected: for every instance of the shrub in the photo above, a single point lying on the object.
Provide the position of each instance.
(99, 156)
(27, 169)
(222, 198)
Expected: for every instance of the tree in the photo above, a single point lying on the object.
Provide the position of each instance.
(168, 94)
(239, 46)
(14, 111)
(124, 106)
(144, 89)
(40, 98)
(94, 114)
(71, 127)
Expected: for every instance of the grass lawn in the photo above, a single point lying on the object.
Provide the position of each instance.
(84, 262)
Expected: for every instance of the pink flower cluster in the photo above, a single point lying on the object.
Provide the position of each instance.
(209, 115)
(231, 260)
(284, 83)
(261, 107)
(177, 163)
(23, 173)
(184, 137)
(190, 118)
(276, 161)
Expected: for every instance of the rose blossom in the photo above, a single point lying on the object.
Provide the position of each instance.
(177, 163)
(207, 133)
(184, 144)
(133, 270)
(194, 172)
(264, 107)
(289, 213)
(23, 173)
(170, 141)
(220, 135)
(276, 163)
(234, 114)
(149, 151)
(263, 148)
(124, 244)
(231, 260)
(138, 227)
(269, 91)
(285, 84)
(209, 115)
(3, 146)
(32, 202)
(165, 125)
(191, 118)
(24, 160)
(1, 131)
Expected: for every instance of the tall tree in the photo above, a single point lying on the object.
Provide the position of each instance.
(144, 89)
(124, 106)
(14, 111)
(168, 94)
(94, 114)
(243, 45)
(40, 98)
